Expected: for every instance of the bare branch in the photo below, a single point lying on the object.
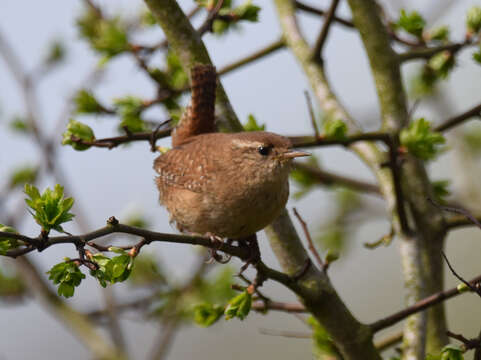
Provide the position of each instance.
(420, 306)
(321, 40)
(459, 119)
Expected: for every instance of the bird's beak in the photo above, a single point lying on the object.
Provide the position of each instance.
(291, 154)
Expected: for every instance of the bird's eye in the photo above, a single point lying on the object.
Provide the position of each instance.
(264, 150)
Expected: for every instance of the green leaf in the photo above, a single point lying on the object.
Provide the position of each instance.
(247, 12)
(113, 270)
(11, 286)
(424, 82)
(442, 63)
(130, 108)
(7, 244)
(420, 140)
(440, 33)
(239, 306)
(322, 343)
(56, 53)
(451, 352)
(177, 78)
(19, 124)
(67, 275)
(23, 175)
(335, 129)
(206, 315)
(50, 209)
(106, 36)
(80, 131)
(147, 18)
(86, 103)
(411, 22)
(477, 56)
(473, 19)
(440, 190)
(252, 125)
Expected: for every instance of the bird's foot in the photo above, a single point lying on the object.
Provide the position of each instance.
(217, 242)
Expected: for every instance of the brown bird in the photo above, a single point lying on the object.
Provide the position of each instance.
(227, 185)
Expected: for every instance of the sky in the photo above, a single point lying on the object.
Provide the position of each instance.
(120, 181)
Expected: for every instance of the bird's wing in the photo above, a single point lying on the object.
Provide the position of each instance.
(181, 168)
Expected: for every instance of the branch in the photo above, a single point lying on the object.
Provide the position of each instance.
(113, 226)
(331, 179)
(321, 40)
(113, 142)
(320, 263)
(420, 306)
(459, 119)
(187, 44)
(428, 52)
(269, 49)
(315, 11)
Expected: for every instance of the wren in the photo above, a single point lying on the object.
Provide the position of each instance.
(229, 185)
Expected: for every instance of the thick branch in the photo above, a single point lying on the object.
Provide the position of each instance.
(420, 251)
(187, 44)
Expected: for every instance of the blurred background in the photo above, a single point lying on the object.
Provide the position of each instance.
(120, 181)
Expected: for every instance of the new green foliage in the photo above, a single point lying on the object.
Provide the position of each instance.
(449, 352)
(239, 306)
(23, 175)
(322, 343)
(420, 140)
(335, 129)
(112, 270)
(230, 15)
(206, 314)
(7, 244)
(77, 130)
(67, 276)
(411, 22)
(86, 103)
(473, 19)
(50, 209)
(253, 125)
(130, 108)
(106, 36)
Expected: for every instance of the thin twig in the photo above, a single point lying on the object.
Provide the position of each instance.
(459, 119)
(474, 289)
(269, 49)
(456, 210)
(113, 142)
(330, 179)
(428, 52)
(311, 114)
(285, 333)
(321, 40)
(311, 246)
(420, 306)
(320, 12)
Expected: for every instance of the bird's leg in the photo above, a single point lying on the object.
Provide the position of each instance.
(254, 253)
(217, 241)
